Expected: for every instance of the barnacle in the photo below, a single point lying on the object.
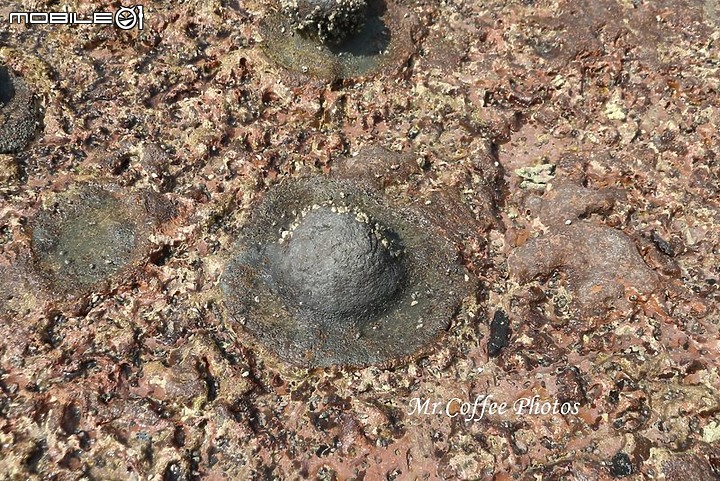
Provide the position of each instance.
(17, 113)
(331, 21)
(330, 273)
(89, 234)
(338, 39)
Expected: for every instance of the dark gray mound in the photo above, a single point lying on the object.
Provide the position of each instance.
(17, 113)
(329, 273)
(330, 21)
(337, 264)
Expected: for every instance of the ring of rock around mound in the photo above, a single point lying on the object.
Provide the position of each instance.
(327, 273)
(338, 39)
(88, 235)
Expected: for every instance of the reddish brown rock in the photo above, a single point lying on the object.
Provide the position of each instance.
(688, 466)
(604, 268)
(614, 97)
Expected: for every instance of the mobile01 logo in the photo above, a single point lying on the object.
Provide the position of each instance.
(125, 18)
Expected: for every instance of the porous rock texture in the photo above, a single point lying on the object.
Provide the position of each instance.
(496, 113)
(605, 271)
(330, 21)
(18, 118)
(331, 273)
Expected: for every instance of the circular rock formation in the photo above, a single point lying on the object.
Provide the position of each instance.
(330, 21)
(87, 235)
(334, 39)
(17, 113)
(327, 274)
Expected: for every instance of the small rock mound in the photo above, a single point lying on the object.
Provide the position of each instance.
(17, 113)
(338, 264)
(330, 21)
(331, 273)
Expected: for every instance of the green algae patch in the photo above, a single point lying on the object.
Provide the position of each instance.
(329, 273)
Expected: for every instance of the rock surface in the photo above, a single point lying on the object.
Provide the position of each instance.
(18, 121)
(330, 21)
(505, 119)
(330, 272)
